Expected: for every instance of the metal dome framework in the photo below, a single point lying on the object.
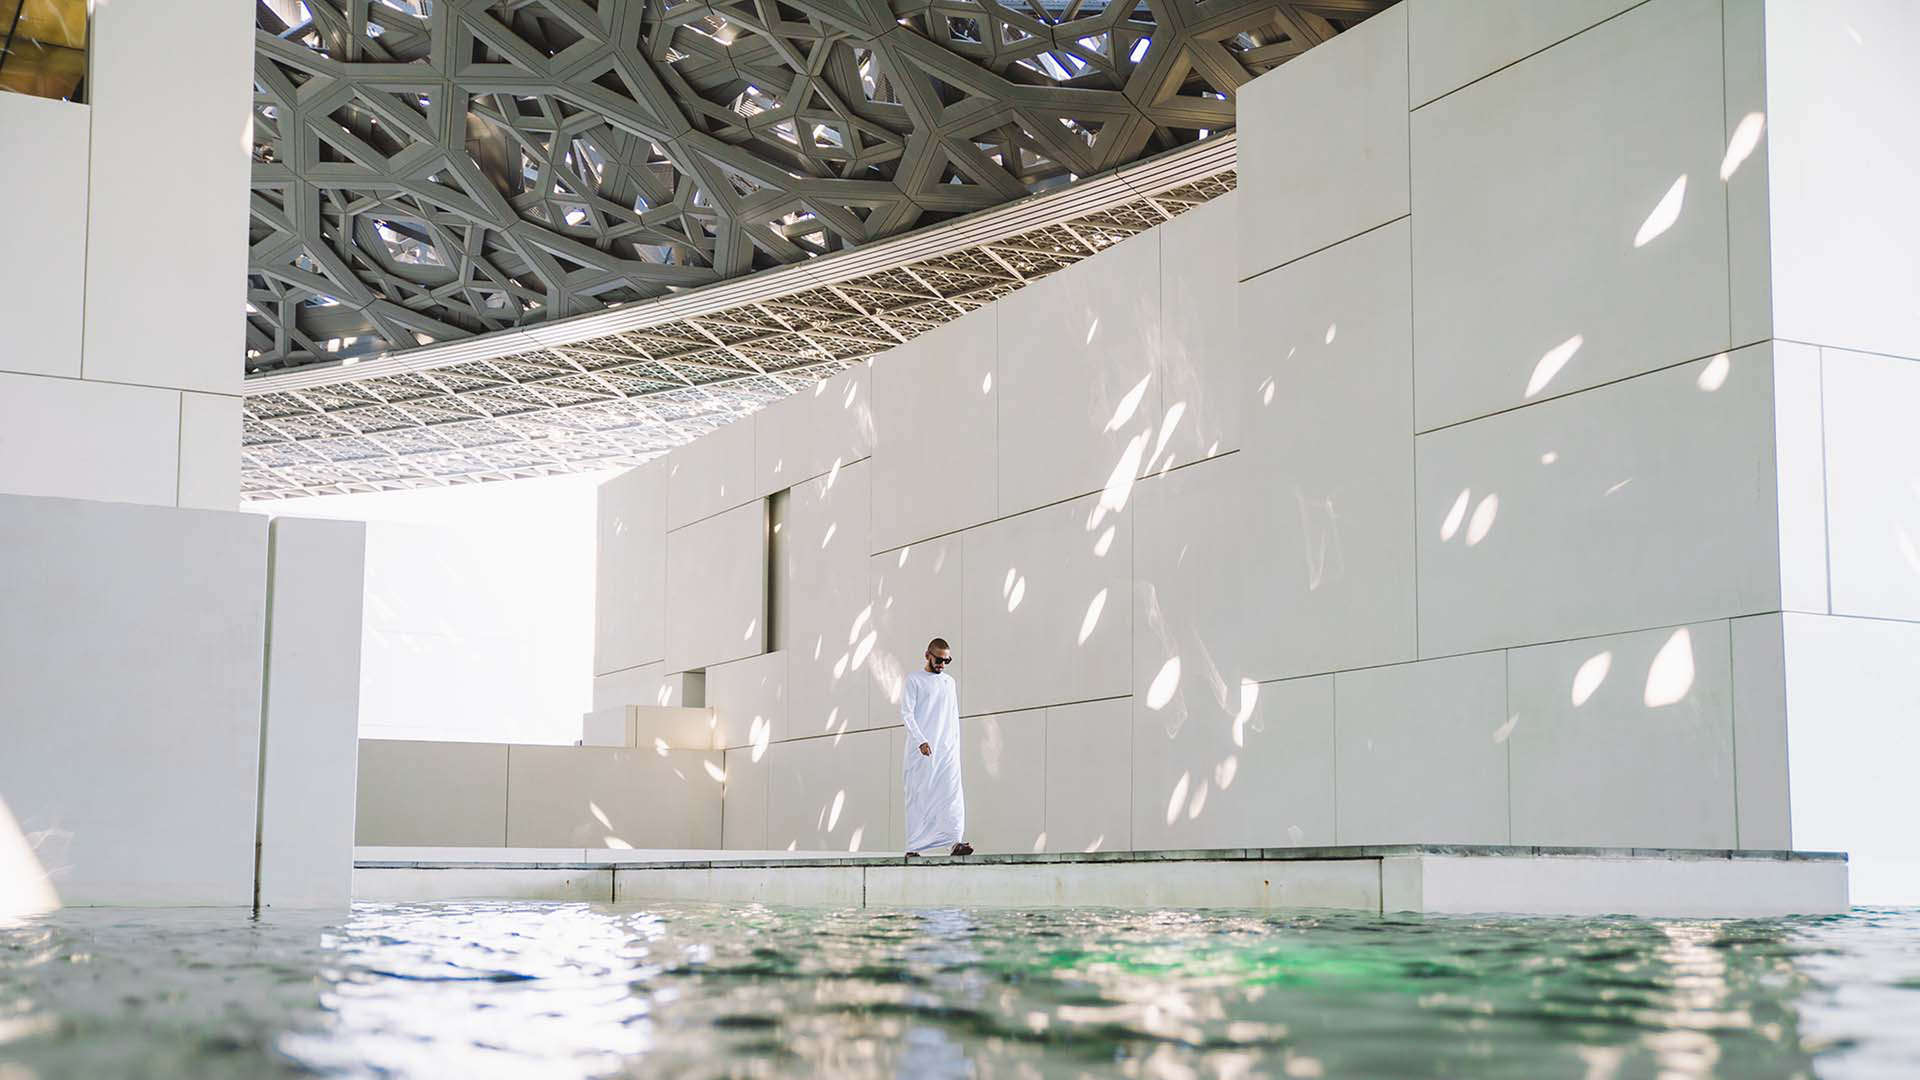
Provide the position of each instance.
(501, 210)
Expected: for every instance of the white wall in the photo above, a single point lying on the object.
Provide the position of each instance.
(134, 651)
(311, 716)
(1457, 520)
(479, 611)
(121, 284)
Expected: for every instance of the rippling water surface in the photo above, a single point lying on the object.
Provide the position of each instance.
(575, 990)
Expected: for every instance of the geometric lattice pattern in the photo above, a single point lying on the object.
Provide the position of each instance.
(430, 170)
(616, 400)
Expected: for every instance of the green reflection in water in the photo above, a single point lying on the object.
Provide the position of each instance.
(514, 989)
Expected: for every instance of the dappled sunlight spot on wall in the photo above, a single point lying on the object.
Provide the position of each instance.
(1549, 457)
(1092, 618)
(1665, 213)
(839, 804)
(1098, 841)
(1551, 362)
(1588, 678)
(832, 527)
(1167, 425)
(1178, 799)
(1018, 594)
(1225, 772)
(1746, 138)
(853, 842)
(1482, 521)
(759, 735)
(715, 773)
(1619, 486)
(1505, 731)
(752, 625)
(1249, 697)
(859, 621)
(1129, 404)
(660, 746)
(1670, 676)
(25, 890)
(1333, 330)
(1102, 545)
(1040, 842)
(1119, 485)
(1198, 801)
(1455, 515)
(1714, 375)
(986, 383)
(1164, 684)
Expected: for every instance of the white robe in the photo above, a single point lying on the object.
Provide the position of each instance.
(936, 809)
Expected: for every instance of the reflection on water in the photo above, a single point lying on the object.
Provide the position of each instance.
(568, 990)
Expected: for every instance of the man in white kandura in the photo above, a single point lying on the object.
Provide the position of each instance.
(930, 709)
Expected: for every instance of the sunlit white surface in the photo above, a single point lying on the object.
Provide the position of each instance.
(479, 609)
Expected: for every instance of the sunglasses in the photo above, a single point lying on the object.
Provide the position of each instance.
(943, 659)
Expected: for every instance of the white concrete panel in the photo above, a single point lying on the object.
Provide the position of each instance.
(716, 589)
(1624, 741)
(648, 684)
(630, 572)
(1330, 481)
(1248, 883)
(1852, 745)
(607, 727)
(712, 473)
(1080, 382)
(43, 177)
(749, 700)
(398, 886)
(1674, 888)
(1745, 170)
(1569, 225)
(1200, 347)
(674, 727)
(130, 648)
(1760, 733)
(439, 794)
(806, 434)
(1003, 776)
(830, 793)
(917, 597)
(743, 813)
(827, 608)
(1254, 770)
(87, 440)
(935, 455)
(1047, 614)
(1323, 144)
(187, 270)
(210, 453)
(1645, 503)
(805, 886)
(1873, 482)
(1453, 42)
(1800, 451)
(312, 717)
(896, 791)
(1844, 162)
(1419, 756)
(1089, 751)
(591, 796)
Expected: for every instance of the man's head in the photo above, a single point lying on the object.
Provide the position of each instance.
(938, 655)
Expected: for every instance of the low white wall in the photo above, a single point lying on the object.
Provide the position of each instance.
(448, 794)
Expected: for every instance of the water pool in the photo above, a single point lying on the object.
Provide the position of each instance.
(574, 990)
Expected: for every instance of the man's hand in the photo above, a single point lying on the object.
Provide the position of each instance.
(925, 750)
